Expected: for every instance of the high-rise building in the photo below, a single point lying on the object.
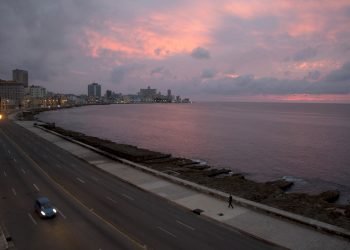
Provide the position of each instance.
(11, 91)
(36, 91)
(20, 76)
(94, 90)
(148, 95)
(108, 94)
(169, 96)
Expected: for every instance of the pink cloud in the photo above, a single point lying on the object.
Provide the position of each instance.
(156, 35)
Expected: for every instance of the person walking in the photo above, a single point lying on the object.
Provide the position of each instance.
(230, 201)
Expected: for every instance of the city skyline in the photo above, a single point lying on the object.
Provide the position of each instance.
(241, 50)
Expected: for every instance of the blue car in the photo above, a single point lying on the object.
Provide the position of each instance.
(44, 208)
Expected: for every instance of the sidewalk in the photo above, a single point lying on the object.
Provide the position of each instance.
(278, 230)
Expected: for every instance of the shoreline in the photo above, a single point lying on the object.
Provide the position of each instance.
(320, 207)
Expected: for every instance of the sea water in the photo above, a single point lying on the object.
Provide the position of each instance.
(302, 142)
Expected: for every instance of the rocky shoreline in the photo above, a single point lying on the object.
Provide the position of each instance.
(319, 207)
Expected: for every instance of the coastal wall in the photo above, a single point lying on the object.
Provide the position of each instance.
(184, 172)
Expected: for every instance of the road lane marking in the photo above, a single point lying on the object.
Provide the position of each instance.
(133, 240)
(5, 174)
(14, 192)
(167, 232)
(128, 197)
(14, 159)
(185, 225)
(63, 216)
(36, 187)
(32, 219)
(82, 181)
(23, 171)
(109, 198)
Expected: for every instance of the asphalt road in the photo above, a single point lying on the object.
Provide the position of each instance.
(96, 210)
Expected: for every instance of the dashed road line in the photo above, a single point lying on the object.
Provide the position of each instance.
(36, 187)
(128, 197)
(32, 219)
(14, 191)
(130, 238)
(82, 181)
(14, 159)
(167, 232)
(63, 216)
(23, 171)
(185, 225)
(109, 198)
(5, 174)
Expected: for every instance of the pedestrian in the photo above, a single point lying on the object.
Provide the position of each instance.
(230, 201)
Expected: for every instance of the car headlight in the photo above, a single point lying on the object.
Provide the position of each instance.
(54, 210)
(42, 213)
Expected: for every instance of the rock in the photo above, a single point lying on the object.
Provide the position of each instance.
(347, 211)
(281, 184)
(329, 196)
(215, 172)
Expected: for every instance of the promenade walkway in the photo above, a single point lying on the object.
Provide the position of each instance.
(262, 225)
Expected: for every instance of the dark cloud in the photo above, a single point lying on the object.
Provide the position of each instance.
(313, 76)
(200, 53)
(336, 82)
(38, 35)
(340, 75)
(157, 70)
(208, 73)
(119, 73)
(305, 54)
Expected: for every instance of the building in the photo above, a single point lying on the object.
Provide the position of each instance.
(109, 94)
(169, 96)
(148, 95)
(20, 76)
(36, 91)
(94, 90)
(11, 91)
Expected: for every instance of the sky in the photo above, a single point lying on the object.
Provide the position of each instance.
(223, 50)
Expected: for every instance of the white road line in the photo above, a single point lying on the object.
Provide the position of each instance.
(23, 171)
(36, 187)
(80, 180)
(165, 231)
(185, 225)
(32, 219)
(9, 152)
(14, 159)
(109, 198)
(128, 197)
(63, 216)
(5, 174)
(14, 191)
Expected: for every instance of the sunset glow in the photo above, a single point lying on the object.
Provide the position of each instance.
(237, 48)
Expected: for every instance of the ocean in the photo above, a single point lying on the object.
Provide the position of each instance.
(303, 142)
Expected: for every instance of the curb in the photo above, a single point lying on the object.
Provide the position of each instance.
(318, 225)
(5, 238)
